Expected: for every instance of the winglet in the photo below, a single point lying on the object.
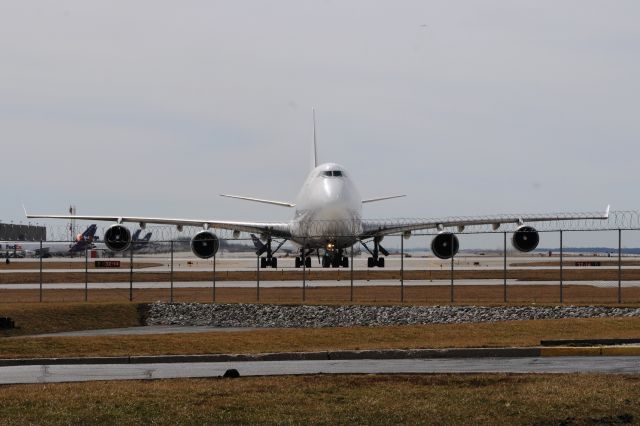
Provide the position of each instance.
(25, 210)
(606, 213)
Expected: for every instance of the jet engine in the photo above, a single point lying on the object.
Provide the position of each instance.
(205, 244)
(525, 239)
(117, 237)
(445, 245)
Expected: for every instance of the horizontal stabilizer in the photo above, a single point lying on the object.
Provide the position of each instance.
(260, 200)
(371, 200)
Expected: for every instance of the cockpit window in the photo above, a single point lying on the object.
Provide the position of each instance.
(332, 173)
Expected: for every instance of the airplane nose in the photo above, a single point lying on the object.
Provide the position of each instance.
(334, 190)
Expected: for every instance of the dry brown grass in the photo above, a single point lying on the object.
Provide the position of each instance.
(527, 274)
(516, 333)
(400, 399)
(413, 294)
(54, 317)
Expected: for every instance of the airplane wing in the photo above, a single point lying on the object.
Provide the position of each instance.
(376, 228)
(276, 229)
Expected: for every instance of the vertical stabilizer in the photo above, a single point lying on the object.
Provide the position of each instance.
(315, 145)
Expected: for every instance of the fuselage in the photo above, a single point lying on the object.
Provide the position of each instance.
(328, 212)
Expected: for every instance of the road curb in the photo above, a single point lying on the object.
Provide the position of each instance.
(286, 356)
(533, 352)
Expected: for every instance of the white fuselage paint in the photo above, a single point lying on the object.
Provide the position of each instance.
(328, 209)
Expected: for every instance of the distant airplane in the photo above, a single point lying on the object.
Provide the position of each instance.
(138, 243)
(327, 221)
(82, 242)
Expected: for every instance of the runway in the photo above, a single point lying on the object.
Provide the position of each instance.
(83, 373)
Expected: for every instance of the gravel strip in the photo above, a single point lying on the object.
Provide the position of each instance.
(297, 316)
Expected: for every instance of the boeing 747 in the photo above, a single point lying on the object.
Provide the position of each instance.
(327, 220)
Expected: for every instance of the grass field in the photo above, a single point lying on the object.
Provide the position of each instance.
(329, 400)
(41, 318)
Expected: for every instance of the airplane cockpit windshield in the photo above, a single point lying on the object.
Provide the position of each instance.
(332, 173)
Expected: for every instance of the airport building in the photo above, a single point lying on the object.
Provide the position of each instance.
(12, 232)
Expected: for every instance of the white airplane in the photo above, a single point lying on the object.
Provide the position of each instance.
(327, 221)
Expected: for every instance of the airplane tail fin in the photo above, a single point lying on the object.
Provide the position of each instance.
(136, 235)
(90, 231)
(315, 144)
(147, 237)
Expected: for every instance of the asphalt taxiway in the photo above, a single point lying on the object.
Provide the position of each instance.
(83, 373)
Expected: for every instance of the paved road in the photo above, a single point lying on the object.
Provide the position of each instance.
(82, 373)
(298, 284)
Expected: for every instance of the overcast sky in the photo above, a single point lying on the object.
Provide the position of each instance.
(156, 107)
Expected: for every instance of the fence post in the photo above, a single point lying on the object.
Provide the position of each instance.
(130, 274)
(619, 265)
(351, 274)
(171, 275)
(504, 267)
(258, 278)
(402, 268)
(304, 270)
(561, 271)
(214, 279)
(452, 256)
(40, 271)
(86, 273)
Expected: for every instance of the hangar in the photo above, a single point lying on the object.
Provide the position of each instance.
(12, 232)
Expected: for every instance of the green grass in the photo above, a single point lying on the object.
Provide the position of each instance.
(393, 399)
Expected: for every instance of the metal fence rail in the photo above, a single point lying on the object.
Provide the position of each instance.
(496, 274)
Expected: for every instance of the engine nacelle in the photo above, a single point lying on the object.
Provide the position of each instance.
(205, 244)
(117, 237)
(445, 245)
(525, 239)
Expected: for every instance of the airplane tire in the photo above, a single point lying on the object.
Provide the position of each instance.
(370, 262)
(307, 262)
(381, 262)
(298, 262)
(263, 262)
(326, 262)
(274, 262)
(345, 262)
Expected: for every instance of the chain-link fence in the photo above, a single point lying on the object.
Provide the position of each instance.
(583, 261)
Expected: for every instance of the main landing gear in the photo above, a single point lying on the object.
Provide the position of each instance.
(269, 261)
(330, 259)
(375, 259)
(307, 261)
(335, 259)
